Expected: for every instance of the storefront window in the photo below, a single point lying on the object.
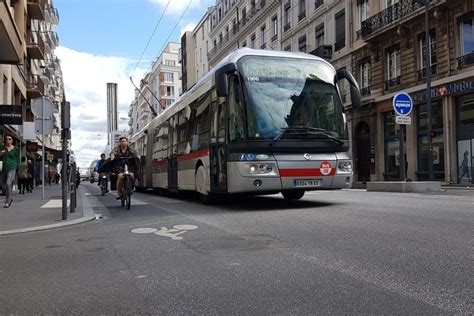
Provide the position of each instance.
(392, 147)
(465, 138)
(437, 141)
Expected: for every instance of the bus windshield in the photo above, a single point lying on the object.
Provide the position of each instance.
(289, 98)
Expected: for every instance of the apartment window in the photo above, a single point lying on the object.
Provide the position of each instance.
(302, 10)
(167, 91)
(467, 42)
(302, 44)
(319, 31)
(244, 16)
(422, 55)
(287, 17)
(244, 44)
(252, 41)
(168, 77)
(170, 62)
(262, 36)
(363, 11)
(340, 30)
(393, 67)
(318, 3)
(287, 48)
(364, 77)
(391, 2)
(274, 28)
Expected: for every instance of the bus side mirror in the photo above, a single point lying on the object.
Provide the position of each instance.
(354, 87)
(221, 79)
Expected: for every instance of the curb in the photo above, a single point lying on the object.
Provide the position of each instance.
(87, 215)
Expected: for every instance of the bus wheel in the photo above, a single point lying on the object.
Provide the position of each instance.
(293, 194)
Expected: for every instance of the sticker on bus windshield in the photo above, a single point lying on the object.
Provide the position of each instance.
(325, 168)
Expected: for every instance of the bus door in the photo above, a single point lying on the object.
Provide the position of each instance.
(173, 158)
(218, 153)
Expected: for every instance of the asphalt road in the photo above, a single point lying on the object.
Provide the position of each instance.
(333, 252)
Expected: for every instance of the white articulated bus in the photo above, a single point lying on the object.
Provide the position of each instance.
(259, 122)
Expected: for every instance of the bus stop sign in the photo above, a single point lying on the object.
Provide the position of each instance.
(402, 104)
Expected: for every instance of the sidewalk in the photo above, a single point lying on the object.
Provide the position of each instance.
(29, 212)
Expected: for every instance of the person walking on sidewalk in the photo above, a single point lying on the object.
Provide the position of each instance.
(31, 176)
(22, 175)
(11, 160)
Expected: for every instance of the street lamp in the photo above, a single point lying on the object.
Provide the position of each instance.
(428, 90)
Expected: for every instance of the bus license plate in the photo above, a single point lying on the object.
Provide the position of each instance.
(299, 183)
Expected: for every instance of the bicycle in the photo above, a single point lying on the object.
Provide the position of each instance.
(126, 196)
(103, 183)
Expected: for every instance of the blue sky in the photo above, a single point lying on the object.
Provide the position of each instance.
(101, 41)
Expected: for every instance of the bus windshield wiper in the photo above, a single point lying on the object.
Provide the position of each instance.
(290, 130)
(307, 131)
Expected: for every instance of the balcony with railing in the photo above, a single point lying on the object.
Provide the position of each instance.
(422, 72)
(323, 51)
(247, 18)
(392, 83)
(402, 10)
(34, 86)
(51, 14)
(466, 60)
(34, 45)
(286, 27)
(35, 9)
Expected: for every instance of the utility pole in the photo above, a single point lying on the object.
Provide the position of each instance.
(428, 90)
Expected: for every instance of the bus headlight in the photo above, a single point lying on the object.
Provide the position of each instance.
(344, 167)
(262, 168)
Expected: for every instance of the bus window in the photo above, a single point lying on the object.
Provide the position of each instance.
(202, 122)
(236, 113)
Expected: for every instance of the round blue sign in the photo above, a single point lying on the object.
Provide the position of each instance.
(402, 104)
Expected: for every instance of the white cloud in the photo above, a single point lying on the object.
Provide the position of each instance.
(85, 83)
(176, 7)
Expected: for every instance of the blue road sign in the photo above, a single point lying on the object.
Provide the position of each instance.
(402, 104)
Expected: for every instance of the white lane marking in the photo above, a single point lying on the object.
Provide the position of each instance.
(144, 230)
(137, 202)
(185, 227)
(54, 204)
(172, 233)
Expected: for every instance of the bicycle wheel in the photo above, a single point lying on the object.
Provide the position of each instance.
(128, 193)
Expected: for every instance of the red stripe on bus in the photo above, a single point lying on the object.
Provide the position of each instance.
(194, 155)
(157, 163)
(305, 172)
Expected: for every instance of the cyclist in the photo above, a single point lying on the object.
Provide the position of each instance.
(123, 151)
(99, 165)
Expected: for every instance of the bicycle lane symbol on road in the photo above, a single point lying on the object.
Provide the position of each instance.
(173, 233)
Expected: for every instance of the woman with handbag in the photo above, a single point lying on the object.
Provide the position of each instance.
(11, 160)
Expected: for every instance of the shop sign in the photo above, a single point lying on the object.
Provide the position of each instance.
(11, 114)
(445, 89)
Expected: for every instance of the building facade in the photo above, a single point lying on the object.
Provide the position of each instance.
(29, 67)
(389, 56)
(158, 89)
(383, 43)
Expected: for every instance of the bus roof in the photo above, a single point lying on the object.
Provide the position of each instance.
(207, 81)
